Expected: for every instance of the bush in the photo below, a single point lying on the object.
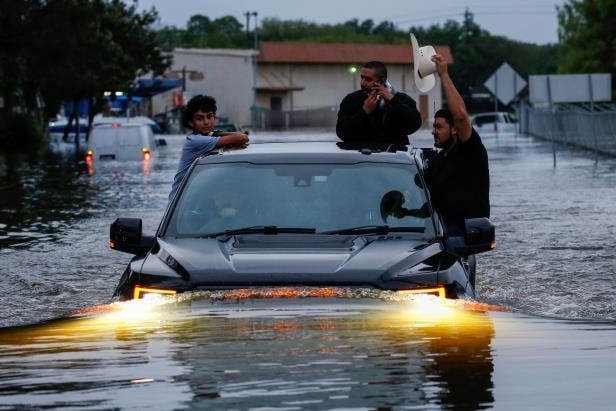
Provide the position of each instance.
(19, 132)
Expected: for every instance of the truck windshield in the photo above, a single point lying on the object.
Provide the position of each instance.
(326, 197)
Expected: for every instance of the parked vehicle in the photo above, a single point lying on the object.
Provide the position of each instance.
(301, 214)
(494, 122)
(227, 127)
(163, 122)
(121, 141)
(223, 124)
(57, 126)
(156, 129)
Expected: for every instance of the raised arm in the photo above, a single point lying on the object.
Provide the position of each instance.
(455, 103)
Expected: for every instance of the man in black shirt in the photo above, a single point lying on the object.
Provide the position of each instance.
(458, 176)
(377, 113)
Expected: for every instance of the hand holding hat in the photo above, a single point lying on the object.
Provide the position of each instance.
(423, 66)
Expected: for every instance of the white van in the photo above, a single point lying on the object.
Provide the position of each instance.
(100, 120)
(121, 141)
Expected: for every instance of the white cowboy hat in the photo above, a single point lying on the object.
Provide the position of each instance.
(423, 67)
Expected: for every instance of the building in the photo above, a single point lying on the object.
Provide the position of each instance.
(289, 84)
(226, 74)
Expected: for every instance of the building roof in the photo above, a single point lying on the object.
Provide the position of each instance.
(339, 53)
(215, 52)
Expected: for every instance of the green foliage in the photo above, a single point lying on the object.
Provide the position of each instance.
(67, 49)
(18, 132)
(13, 34)
(586, 33)
(201, 32)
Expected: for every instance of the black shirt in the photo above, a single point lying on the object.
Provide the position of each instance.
(459, 181)
(390, 125)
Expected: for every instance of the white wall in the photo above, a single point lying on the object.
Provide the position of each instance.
(327, 84)
(228, 77)
(164, 101)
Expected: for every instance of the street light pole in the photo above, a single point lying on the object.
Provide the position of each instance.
(256, 37)
(247, 14)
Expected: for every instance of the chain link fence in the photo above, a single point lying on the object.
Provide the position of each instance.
(588, 126)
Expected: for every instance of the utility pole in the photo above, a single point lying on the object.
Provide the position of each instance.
(247, 14)
(256, 37)
(184, 78)
(255, 71)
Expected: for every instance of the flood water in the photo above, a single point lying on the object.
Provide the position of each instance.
(542, 335)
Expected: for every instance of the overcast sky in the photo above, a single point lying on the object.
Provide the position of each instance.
(532, 21)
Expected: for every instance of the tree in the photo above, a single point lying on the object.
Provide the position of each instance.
(201, 32)
(80, 48)
(14, 34)
(586, 34)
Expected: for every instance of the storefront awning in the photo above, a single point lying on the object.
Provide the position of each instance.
(151, 87)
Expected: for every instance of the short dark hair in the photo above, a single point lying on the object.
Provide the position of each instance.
(199, 102)
(446, 114)
(378, 67)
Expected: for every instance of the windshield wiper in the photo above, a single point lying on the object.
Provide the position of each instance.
(262, 229)
(374, 229)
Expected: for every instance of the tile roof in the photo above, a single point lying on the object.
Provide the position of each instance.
(335, 53)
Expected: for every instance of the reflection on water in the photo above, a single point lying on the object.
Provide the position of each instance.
(27, 189)
(284, 354)
(55, 212)
(199, 352)
(45, 194)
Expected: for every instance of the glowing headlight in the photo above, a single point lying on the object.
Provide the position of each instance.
(436, 291)
(140, 292)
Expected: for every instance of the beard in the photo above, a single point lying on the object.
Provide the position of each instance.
(446, 144)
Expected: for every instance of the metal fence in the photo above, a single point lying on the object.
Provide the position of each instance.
(591, 127)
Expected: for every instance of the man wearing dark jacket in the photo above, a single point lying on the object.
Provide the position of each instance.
(377, 113)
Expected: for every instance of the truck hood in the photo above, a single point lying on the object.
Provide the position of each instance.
(293, 259)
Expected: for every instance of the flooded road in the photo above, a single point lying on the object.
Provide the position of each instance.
(549, 344)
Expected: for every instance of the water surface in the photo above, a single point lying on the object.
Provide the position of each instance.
(541, 336)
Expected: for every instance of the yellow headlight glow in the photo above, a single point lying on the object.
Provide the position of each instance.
(139, 292)
(437, 291)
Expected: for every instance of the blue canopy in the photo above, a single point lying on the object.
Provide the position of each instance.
(151, 87)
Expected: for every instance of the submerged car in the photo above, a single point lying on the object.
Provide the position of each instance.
(153, 125)
(500, 122)
(301, 214)
(121, 141)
